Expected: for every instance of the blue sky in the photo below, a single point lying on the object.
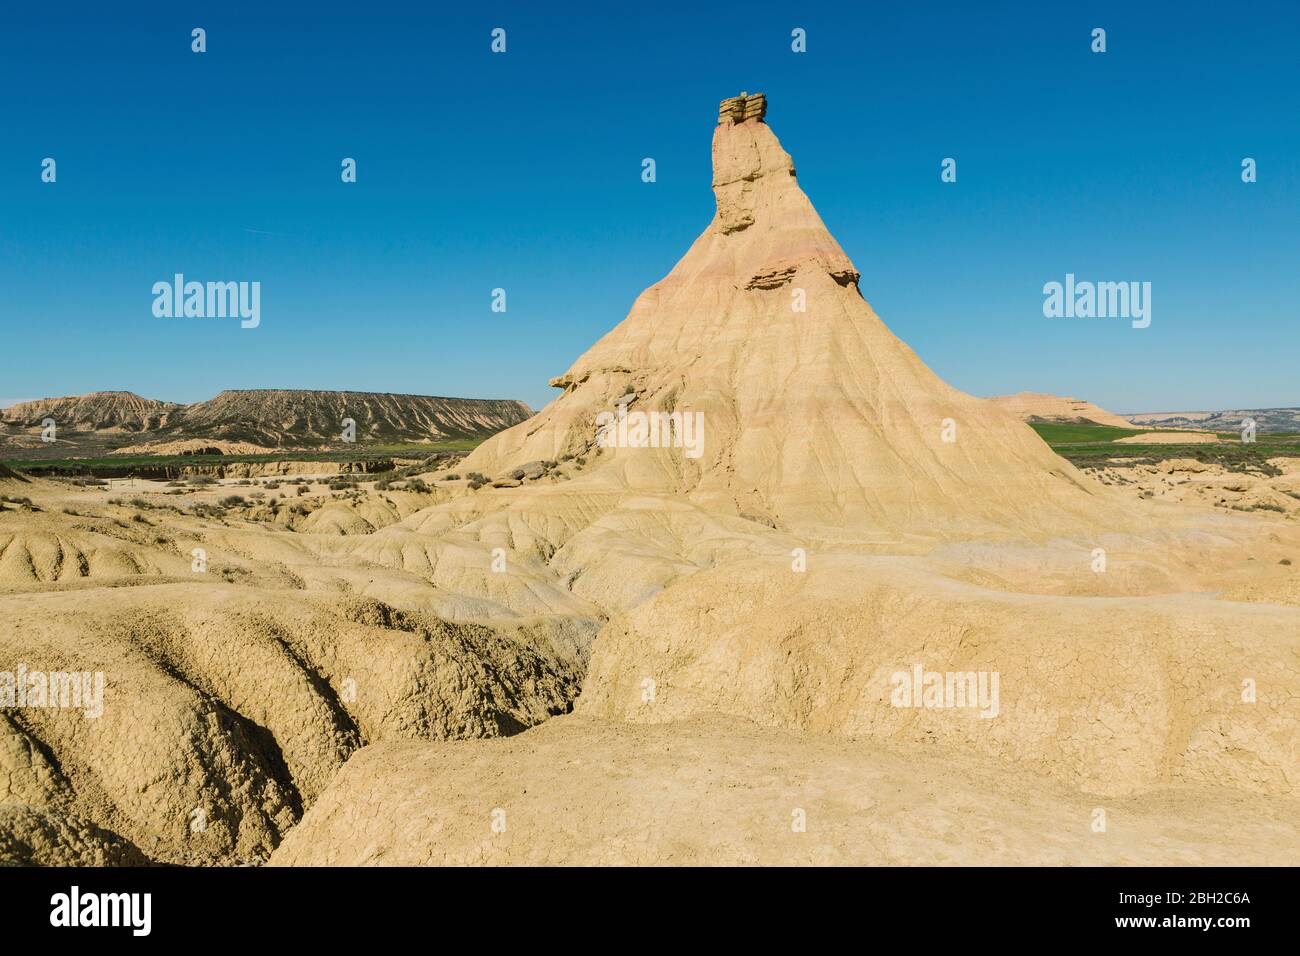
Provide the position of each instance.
(522, 171)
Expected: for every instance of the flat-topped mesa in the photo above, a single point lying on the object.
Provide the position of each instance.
(739, 109)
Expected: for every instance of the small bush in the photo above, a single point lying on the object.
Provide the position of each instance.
(232, 501)
(302, 489)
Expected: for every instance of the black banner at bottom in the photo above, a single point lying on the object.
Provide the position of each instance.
(334, 905)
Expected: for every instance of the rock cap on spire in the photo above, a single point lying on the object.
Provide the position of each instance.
(739, 109)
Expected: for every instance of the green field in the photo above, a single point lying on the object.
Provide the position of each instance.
(1055, 434)
(105, 466)
(1090, 444)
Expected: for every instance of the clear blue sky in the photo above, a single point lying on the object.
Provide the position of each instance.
(522, 171)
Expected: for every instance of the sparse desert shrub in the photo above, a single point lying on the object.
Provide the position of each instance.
(475, 484)
(383, 484)
(550, 463)
(417, 485)
(272, 485)
(232, 501)
(580, 461)
(140, 503)
(302, 489)
(202, 480)
(1286, 561)
(451, 477)
(175, 484)
(139, 519)
(566, 458)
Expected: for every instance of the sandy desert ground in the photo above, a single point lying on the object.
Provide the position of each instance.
(573, 648)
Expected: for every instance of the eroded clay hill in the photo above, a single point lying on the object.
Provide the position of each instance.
(248, 421)
(94, 411)
(287, 417)
(815, 416)
(1054, 408)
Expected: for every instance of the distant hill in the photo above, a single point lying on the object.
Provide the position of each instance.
(267, 418)
(287, 417)
(1036, 406)
(96, 411)
(1266, 419)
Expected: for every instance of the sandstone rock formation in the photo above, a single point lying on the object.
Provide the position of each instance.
(815, 416)
(1053, 408)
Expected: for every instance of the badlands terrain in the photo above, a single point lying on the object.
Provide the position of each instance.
(576, 645)
(243, 421)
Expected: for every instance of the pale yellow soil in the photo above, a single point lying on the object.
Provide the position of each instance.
(714, 790)
(1169, 438)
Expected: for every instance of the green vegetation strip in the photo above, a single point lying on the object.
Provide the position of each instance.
(118, 464)
(1091, 444)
